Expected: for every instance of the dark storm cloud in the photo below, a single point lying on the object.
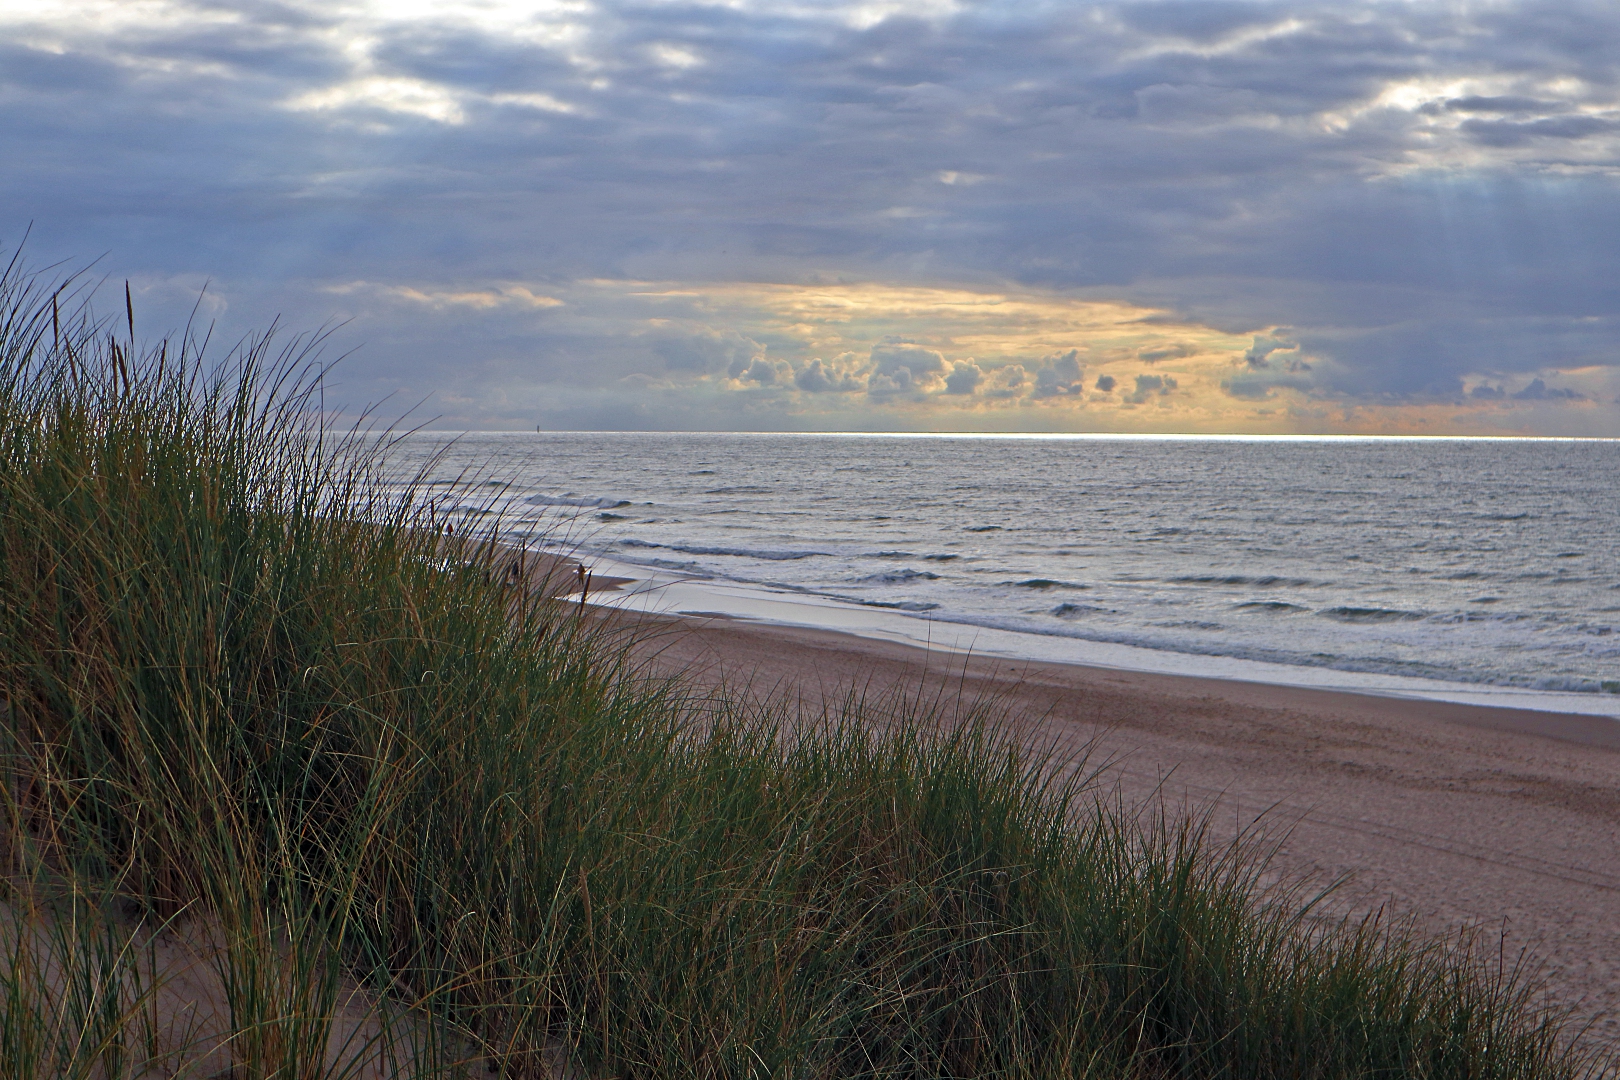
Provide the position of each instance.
(1417, 191)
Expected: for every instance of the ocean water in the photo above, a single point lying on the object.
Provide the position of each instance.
(1487, 562)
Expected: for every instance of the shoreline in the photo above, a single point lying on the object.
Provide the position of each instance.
(1582, 728)
(1460, 818)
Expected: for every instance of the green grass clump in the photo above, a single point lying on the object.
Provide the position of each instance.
(246, 697)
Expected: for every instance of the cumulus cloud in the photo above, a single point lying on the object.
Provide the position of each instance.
(1259, 385)
(1105, 383)
(1259, 354)
(1059, 374)
(1272, 362)
(903, 368)
(1535, 390)
(1149, 387)
(766, 372)
(823, 377)
(1538, 390)
(1007, 381)
(964, 378)
(707, 351)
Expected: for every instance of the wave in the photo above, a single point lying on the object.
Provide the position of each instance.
(570, 499)
(745, 489)
(773, 555)
(1370, 615)
(1266, 581)
(1552, 577)
(686, 569)
(1267, 605)
(1071, 611)
(1045, 583)
(1454, 618)
(901, 605)
(1082, 631)
(898, 577)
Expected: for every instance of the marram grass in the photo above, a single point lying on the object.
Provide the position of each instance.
(247, 703)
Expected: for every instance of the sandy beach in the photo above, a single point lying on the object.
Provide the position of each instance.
(1503, 821)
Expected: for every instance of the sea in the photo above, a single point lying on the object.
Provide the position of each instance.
(1462, 569)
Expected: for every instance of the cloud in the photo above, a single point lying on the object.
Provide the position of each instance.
(1059, 374)
(904, 368)
(766, 372)
(1259, 354)
(1400, 196)
(1105, 383)
(1007, 381)
(1537, 390)
(823, 377)
(1258, 386)
(1149, 387)
(709, 351)
(1274, 361)
(964, 378)
(1150, 354)
(484, 299)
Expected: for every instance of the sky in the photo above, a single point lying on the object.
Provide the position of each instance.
(910, 215)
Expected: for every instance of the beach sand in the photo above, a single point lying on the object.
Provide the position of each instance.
(1502, 821)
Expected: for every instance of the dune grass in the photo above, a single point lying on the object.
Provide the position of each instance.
(247, 698)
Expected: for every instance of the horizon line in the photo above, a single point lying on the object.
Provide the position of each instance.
(1053, 435)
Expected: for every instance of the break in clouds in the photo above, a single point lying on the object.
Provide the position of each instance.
(1183, 213)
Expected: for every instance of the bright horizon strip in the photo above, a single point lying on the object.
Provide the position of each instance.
(1165, 436)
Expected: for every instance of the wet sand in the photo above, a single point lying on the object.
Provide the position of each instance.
(1505, 821)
